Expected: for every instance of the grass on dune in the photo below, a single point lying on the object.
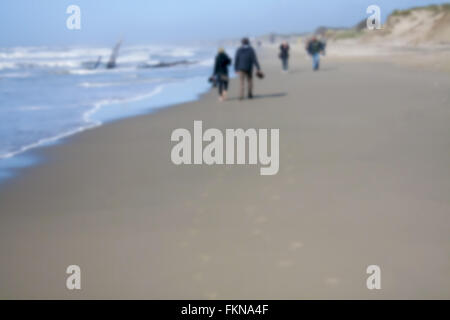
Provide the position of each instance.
(435, 8)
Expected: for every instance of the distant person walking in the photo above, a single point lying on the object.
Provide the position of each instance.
(284, 56)
(221, 73)
(243, 65)
(315, 48)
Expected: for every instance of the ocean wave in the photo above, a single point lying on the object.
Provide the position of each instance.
(90, 123)
(16, 75)
(39, 64)
(33, 108)
(83, 72)
(45, 53)
(87, 116)
(42, 63)
(22, 57)
(7, 65)
(133, 57)
(134, 79)
(44, 141)
(101, 84)
(206, 63)
(181, 52)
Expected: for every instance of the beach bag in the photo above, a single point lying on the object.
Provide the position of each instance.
(213, 81)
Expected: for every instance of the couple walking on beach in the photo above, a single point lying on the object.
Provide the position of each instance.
(244, 62)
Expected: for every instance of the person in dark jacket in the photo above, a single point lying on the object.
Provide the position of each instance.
(243, 65)
(221, 73)
(284, 56)
(315, 48)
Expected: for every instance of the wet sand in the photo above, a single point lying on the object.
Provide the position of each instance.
(364, 180)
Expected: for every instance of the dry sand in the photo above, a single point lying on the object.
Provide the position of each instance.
(423, 57)
(364, 179)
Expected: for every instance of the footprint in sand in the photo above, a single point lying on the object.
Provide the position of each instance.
(193, 232)
(204, 258)
(198, 276)
(257, 232)
(332, 281)
(184, 244)
(289, 169)
(291, 180)
(211, 295)
(261, 219)
(285, 263)
(220, 176)
(250, 210)
(294, 246)
(275, 197)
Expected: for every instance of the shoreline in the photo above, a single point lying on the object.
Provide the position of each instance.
(405, 58)
(13, 162)
(362, 181)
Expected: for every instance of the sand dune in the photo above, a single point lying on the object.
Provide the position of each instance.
(418, 38)
(420, 26)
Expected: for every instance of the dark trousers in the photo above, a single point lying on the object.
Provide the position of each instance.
(246, 76)
(285, 63)
(222, 83)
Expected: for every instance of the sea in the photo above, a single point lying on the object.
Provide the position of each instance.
(50, 93)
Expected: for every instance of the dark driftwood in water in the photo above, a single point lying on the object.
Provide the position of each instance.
(112, 60)
(91, 65)
(166, 64)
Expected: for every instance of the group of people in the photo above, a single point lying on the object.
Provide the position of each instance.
(314, 47)
(245, 61)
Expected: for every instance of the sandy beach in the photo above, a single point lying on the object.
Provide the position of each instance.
(364, 180)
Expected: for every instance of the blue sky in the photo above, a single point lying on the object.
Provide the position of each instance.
(43, 22)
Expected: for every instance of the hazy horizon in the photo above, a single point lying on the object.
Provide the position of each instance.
(103, 22)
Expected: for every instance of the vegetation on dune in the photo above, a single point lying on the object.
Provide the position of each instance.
(346, 34)
(401, 13)
(435, 8)
(359, 31)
